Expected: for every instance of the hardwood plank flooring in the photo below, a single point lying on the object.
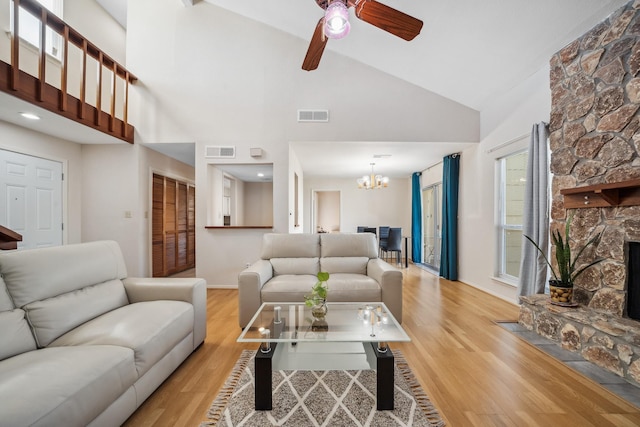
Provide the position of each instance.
(476, 372)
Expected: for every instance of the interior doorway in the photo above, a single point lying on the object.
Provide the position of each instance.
(326, 211)
(173, 230)
(31, 189)
(432, 229)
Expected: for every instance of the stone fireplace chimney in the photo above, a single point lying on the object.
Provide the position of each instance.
(595, 160)
(595, 139)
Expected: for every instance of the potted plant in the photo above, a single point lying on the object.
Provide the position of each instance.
(561, 285)
(318, 297)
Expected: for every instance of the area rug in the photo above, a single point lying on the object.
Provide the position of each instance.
(321, 398)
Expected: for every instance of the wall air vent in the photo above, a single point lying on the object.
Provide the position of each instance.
(217, 152)
(313, 115)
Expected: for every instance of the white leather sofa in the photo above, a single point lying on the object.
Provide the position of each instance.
(82, 344)
(289, 264)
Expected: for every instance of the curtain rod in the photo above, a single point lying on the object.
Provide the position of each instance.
(505, 144)
(441, 161)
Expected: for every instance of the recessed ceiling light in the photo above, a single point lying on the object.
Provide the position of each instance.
(30, 116)
(260, 174)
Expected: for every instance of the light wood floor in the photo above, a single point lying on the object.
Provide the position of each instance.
(476, 372)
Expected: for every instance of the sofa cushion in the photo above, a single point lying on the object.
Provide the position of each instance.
(276, 245)
(5, 299)
(356, 265)
(50, 318)
(16, 336)
(295, 266)
(37, 274)
(288, 288)
(64, 386)
(345, 287)
(151, 329)
(348, 245)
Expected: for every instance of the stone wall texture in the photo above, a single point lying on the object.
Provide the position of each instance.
(595, 138)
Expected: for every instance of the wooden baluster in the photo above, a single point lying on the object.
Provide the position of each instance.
(113, 96)
(99, 94)
(42, 59)
(15, 46)
(125, 125)
(64, 70)
(83, 82)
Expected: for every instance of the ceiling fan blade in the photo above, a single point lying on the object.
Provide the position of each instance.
(316, 47)
(389, 19)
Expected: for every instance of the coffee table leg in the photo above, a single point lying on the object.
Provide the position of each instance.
(263, 385)
(384, 374)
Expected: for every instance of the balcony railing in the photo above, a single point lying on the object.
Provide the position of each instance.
(106, 115)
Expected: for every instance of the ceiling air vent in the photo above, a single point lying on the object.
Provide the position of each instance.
(216, 152)
(313, 115)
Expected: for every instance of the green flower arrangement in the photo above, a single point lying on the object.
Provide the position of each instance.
(318, 293)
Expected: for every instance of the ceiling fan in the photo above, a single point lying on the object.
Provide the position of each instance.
(335, 24)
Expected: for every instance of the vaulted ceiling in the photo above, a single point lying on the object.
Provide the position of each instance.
(469, 51)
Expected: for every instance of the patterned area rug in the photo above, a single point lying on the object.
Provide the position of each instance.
(321, 398)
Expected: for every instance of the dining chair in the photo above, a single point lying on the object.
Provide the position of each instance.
(394, 243)
(370, 230)
(383, 233)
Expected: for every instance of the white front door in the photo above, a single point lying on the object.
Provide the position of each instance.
(31, 199)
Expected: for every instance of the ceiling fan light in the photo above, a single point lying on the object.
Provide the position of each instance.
(336, 20)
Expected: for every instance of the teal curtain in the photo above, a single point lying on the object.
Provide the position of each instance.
(449, 249)
(416, 218)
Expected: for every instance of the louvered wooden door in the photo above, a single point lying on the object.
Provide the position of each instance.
(173, 229)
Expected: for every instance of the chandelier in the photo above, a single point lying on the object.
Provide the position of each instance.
(370, 182)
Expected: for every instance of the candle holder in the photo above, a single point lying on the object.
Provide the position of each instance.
(265, 346)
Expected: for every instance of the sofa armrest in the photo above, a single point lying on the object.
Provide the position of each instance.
(390, 279)
(191, 290)
(250, 282)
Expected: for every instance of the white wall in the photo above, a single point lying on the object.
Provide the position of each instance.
(25, 141)
(221, 79)
(258, 203)
(508, 118)
(295, 169)
(328, 210)
(116, 197)
(389, 206)
(110, 191)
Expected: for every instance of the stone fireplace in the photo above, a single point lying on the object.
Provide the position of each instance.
(595, 160)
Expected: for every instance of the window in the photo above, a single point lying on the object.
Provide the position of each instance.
(30, 28)
(432, 230)
(512, 177)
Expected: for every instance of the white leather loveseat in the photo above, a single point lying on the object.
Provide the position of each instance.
(82, 344)
(289, 264)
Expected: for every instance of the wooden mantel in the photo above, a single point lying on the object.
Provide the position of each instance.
(9, 239)
(626, 193)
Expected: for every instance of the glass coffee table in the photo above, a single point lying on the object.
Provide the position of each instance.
(351, 336)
